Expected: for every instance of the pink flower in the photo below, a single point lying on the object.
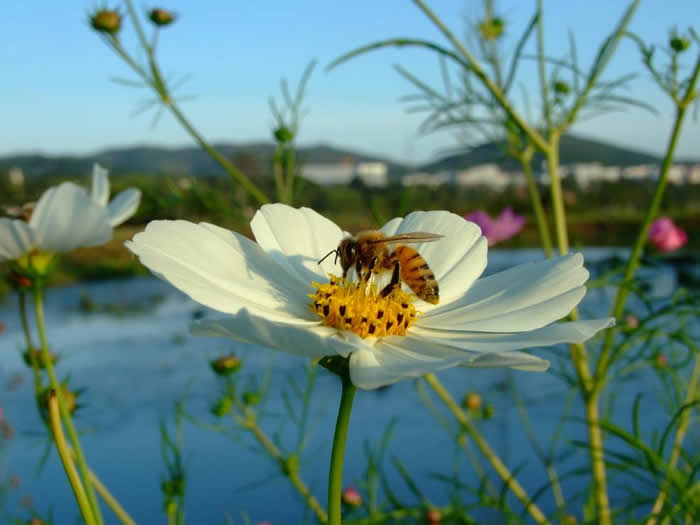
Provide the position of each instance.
(666, 236)
(351, 497)
(508, 224)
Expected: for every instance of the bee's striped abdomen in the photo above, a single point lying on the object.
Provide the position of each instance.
(416, 273)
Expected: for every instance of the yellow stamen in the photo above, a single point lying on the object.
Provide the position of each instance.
(361, 309)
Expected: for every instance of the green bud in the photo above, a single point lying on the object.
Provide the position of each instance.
(488, 411)
(226, 365)
(283, 135)
(561, 88)
(679, 44)
(33, 354)
(70, 399)
(106, 21)
(222, 407)
(251, 398)
(492, 28)
(161, 17)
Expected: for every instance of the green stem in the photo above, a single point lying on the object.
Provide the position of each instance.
(38, 387)
(495, 91)
(335, 477)
(690, 396)
(110, 500)
(557, 196)
(542, 69)
(505, 474)
(290, 171)
(526, 163)
(65, 415)
(633, 262)
(68, 466)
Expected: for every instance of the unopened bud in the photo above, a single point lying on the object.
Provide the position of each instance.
(106, 21)
(161, 17)
(492, 28)
(433, 517)
(351, 497)
(222, 407)
(488, 411)
(561, 88)
(679, 44)
(33, 354)
(661, 361)
(472, 402)
(251, 397)
(226, 365)
(70, 398)
(283, 135)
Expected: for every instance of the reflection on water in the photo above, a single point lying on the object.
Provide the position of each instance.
(127, 343)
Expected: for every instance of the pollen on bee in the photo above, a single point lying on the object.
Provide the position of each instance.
(359, 308)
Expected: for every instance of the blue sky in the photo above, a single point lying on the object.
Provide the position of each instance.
(57, 96)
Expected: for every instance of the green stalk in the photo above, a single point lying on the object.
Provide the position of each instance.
(690, 396)
(68, 466)
(505, 474)
(557, 196)
(38, 387)
(525, 159)
(65, 415)
(290, 171)
(542, 69)
(633, 262)
(335, 477)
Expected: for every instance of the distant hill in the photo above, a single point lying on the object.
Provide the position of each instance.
(256, 158)
(179, 161)
(573, 149)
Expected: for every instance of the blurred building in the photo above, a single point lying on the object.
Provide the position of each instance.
(374, 174)
(15, 177)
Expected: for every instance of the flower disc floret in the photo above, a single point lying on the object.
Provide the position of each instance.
(360, 308)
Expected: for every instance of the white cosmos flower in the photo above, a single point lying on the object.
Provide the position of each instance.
(121, 207)
(65, 218)
(265, 286)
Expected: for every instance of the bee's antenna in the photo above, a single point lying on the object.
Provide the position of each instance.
(328, 255)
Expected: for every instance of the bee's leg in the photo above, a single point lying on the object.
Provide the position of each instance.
(358, 270)
(394, 283)
(370, 269)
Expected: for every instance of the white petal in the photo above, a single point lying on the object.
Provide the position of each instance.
(525, 297)
(517, 360)
(457, 260)
(222, 270)
(298, 239)
(123, 206)
(395, 358)
(494, 342)
(100, 185)
(308, 341)
(66, 218)
(16, 239)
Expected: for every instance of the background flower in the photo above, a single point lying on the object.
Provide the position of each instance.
(123, 206)
(666, 236)
(508, 224)
(65, 218)
(265, 287)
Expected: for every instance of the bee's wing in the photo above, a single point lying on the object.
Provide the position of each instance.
(412, 237)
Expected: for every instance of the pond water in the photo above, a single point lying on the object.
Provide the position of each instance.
(137, 359)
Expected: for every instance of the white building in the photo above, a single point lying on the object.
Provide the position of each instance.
(676, 174)
(374, 174)
(694, 174)
(15, 176)
(432, 180)
(489, 175)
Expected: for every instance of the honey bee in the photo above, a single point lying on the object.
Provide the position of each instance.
(369, 252)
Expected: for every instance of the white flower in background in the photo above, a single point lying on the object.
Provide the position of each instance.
(276, 294)
(121, 207)
(65, 218)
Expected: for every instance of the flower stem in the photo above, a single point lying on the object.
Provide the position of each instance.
(38, 387)
(690, 396)
(483, 446)
(65, 415)
(110, 500)
(633, 262)
(525, 159)
(335, 477)
(69, 467)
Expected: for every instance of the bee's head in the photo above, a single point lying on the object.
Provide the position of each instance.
(346, 251)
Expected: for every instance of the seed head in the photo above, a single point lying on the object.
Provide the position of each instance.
(106, 21)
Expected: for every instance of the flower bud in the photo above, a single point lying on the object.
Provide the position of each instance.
(561, 88)
(35, 354)
(251, 397)
(488, 411)
(222, 407)
(161, 17)
(70, 398)
(283, 135)
(492, 28)
(106, 21)
(661, 361)
(433, 517)
(226, 365)
(351, 497)
(472, 402)
(679, 44)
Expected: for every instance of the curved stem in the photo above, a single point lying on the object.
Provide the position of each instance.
(505, 474)
(110, 500)
(65, 415)
(525, 159)
(38, 387)
(335, 476)
(69, 467)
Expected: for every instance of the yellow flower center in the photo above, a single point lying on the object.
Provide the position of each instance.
(361, 309)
